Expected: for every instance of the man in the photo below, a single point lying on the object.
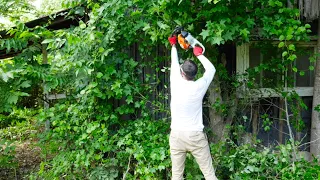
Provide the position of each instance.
(186, 112)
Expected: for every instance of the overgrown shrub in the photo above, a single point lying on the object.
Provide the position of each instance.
(19, 125)
(257, 162)
(140, 150)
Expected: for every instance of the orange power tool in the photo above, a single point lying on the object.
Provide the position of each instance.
(185, 39)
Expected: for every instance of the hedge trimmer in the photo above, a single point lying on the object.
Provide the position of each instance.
(185, 39)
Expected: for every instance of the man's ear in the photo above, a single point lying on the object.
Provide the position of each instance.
(183, 75)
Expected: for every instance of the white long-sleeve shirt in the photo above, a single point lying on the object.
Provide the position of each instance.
(187, 96)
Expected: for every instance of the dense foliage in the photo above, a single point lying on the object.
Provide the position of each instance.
(114, 122)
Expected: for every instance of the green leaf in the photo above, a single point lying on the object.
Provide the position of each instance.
(116, 85)
(271, 3)
(228, 36)
(146, 27)
(106, 53)
(244, 32)
(295, 69)
(89, 71)
(82, 92)
(129, 99)
(93, 84)
(80, 11)
(281, 38)
(9, 74)
(133, 63)
(82, 25)
(292, 57)
(190, 27)
(97, 157)
(312, 59)
(245, 118)
(136, 13)
(281, 44)
(137, 104)
(23, 94)
(307, 26)
(284, 53)
(101, 49)
(301, 73)
(46, 41)
(289, 37)
(217, 40)
(279, 3)
(311, 68)
(127, 90)
(25, 84)
(13, 99)
(292, 47)
(250, 168)
(178, 22)
(4, 77)
(301, 29)
(99, 75)
(204, 34)
(162, 25)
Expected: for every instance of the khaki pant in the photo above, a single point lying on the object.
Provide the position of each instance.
(195, 142)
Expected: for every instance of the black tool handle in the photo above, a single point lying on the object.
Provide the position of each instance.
(177, 30)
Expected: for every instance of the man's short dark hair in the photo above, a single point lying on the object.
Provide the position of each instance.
(190, 69)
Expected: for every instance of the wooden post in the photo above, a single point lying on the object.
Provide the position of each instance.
(255, 122)
(281, 121)
(242, 64)
(242, 58)
(315, 124)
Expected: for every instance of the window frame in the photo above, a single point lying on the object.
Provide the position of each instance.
(243, 63)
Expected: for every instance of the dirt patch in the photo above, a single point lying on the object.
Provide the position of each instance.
(28, 159)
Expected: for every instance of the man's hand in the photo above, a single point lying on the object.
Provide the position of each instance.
(197, 51)
(172, 40)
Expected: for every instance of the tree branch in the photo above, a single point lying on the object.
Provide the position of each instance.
(290, 130)
(128, 168)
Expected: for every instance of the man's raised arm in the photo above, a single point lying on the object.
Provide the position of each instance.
(175, 67)
(210, 70)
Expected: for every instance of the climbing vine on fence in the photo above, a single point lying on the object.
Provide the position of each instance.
(108, 126)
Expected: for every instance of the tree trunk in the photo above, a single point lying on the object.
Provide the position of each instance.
(315, 124)
(216, 120)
